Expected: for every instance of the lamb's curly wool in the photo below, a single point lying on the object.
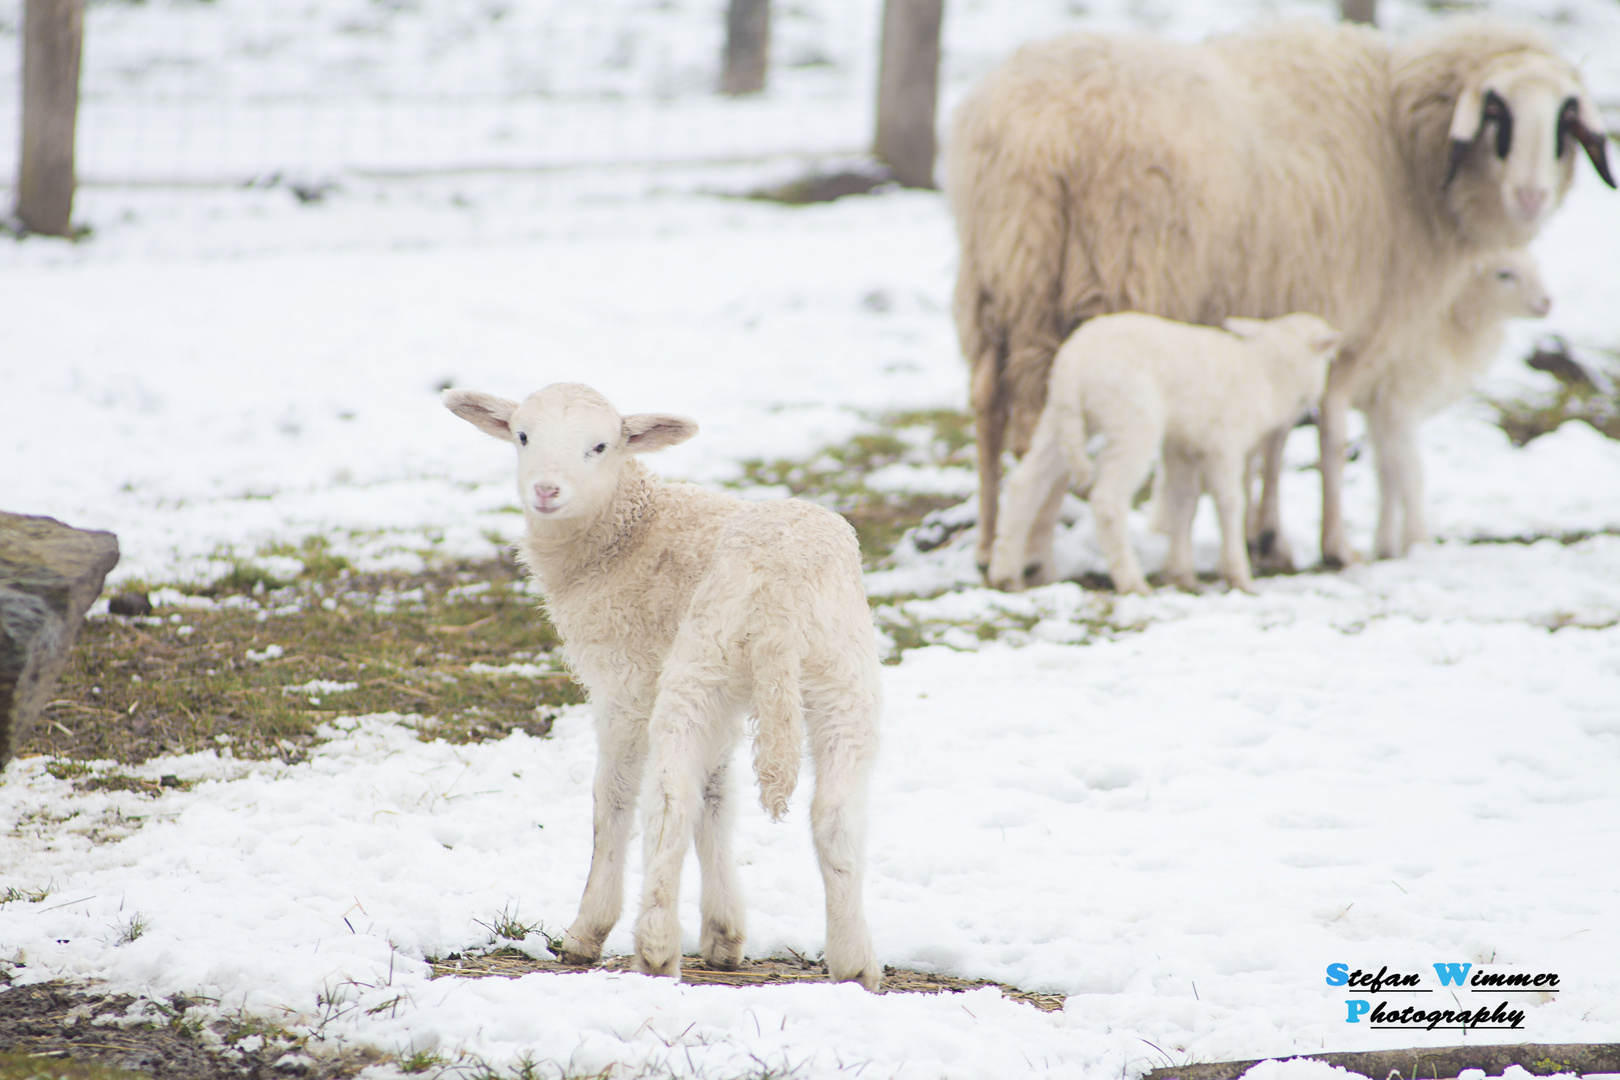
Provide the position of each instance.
(1302, 167)
(682, 610)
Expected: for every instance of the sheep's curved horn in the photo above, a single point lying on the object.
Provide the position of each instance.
(1581, 120)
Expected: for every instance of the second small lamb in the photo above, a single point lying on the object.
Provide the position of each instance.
(1197, 398)
(1501, 286)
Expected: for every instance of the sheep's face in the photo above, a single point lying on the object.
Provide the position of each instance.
(1515, 134)
(571, 444)
(1509, 285)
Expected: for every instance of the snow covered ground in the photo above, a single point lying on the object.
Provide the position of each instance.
(1177, 810)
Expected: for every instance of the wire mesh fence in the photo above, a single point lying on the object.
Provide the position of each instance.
(212, 91)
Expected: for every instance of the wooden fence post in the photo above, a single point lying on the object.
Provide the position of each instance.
(1359, 11)
(53, 34)
(908, 90)
(748, 46)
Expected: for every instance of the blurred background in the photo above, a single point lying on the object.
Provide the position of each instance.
(201, 92)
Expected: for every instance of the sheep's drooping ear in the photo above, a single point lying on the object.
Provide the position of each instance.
(646, 432)
(486, 412)
(1580, 120)
(1243, 328)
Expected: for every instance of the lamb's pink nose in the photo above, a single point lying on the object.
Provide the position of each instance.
(1540, 308)
(1531, 199)
(545, 495)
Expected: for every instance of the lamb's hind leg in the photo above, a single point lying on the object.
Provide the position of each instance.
(689, 725)
(843, 742)
(1265, 535)
(621, 751)
(724, 914)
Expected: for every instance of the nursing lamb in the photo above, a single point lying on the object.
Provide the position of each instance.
(682, 610)
(1304, 167)
(1196, 398)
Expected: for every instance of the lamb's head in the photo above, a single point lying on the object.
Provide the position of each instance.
(571, 445)
(1517, 127)
(1504, 285)
(1301, 346)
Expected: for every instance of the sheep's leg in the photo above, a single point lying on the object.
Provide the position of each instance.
(724, 915)
(621, 752)
(1034, 490)
(1331, 422)
(1223, 473)
(1271, 548)
(1121, 468)
(990, 423)
(684, 734)
(1178, 489)
(843, 742)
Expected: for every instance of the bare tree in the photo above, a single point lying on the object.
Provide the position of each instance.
(748, 46)
(53, 33)
(908, 90)
(1359, 11)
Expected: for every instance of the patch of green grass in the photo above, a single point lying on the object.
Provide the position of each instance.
(132, 929)
(31, 896)
(248, 676)
(421, 1061)
(837, 475)
(23, 1066)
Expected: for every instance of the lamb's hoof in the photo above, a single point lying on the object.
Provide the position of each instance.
(665, 963)
(572, 950)
(720, 950)
(869, 975)
(1270, 552)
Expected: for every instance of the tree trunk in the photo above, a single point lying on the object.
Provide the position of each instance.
(53, 32)
(1359, 11)
(908, 90)
(748, 46)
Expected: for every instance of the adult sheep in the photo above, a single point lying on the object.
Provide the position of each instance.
(1302, 167)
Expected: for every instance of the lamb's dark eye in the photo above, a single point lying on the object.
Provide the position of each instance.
(523, 438)
(599, 448)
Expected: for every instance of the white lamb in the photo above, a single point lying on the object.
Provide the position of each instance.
(682, 610)
(1491, 290)
(1197, 398)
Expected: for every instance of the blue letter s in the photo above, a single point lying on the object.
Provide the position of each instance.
(1338, 974)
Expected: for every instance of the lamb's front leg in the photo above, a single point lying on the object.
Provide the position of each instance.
(621, 750)
(1398, 448)
(724, 915)
(1178, 488)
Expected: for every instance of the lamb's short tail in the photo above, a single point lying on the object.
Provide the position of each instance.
(779, 705)
(1063, 395)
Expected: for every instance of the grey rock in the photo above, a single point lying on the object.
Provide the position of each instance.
(50, 574)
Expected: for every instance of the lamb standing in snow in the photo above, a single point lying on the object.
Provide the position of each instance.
(1197, 398)
(682, 610)
(1495, 288)
(1300, 167)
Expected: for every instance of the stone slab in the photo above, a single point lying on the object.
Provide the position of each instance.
(50, 574)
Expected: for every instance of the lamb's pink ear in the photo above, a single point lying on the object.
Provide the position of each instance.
(486, 412)
(646, 432)
(1326, 341)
